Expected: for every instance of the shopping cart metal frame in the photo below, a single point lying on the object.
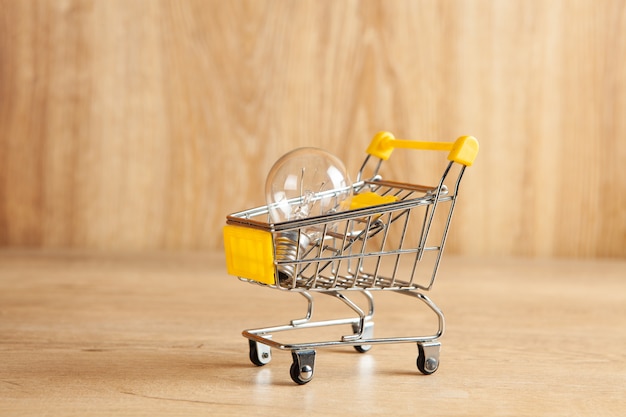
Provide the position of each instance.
(351, 255)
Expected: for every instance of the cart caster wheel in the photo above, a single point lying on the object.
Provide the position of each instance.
(428, 357)
(368, 333)
(301, 370)
(260, 354)
(362, 348)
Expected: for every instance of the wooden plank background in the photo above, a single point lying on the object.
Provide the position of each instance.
(138, 125)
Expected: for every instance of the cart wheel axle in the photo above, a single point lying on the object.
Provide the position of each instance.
(428, 357)
(260, 354)
(303, 365)
(368, 333)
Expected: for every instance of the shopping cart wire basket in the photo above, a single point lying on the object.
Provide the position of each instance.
(391, 237)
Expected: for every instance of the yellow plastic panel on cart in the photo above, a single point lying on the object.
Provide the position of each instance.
(383, 144)
(249, 253)
(370, 199)
(380, 146)
(464, 150)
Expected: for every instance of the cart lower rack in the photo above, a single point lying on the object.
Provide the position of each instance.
(391, 238)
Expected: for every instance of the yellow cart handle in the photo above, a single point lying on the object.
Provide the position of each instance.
(462, 151)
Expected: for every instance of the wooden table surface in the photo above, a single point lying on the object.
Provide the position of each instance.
(160, 334)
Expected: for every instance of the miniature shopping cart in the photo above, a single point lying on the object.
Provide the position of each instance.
(391, 238)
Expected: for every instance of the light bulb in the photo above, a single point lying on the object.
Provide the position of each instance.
(303, 183)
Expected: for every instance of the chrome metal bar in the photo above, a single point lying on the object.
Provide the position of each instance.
(446, 227)
(309, 311)
(434, 208)
(262, 335)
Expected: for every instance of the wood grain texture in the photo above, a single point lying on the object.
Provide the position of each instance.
(159, 334)
(132, 125)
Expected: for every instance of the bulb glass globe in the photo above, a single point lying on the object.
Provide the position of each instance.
(306, 182)
(303, 183)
